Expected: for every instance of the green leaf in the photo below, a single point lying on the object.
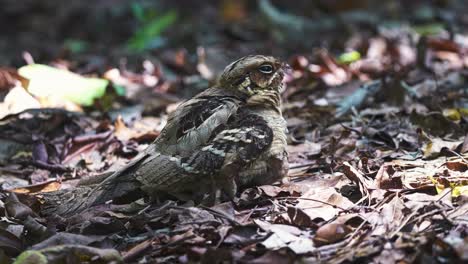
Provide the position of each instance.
(46, 81)
(429, 29)
(120, 90)
(76, 45)
(349, 57)
(151, 30)
(138, 11)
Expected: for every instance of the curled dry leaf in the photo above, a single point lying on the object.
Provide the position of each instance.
(122, 132)
(457, 165)
(433, 148)
(270, 190)
(323, 203)
(16, 101)
(9, 77)
(284, 236)
(49, 186)
(9, 243)
(137, 250)
(384, 179)
(389, 218)
(355, 176)
(331, 233)
(16, 209)
(299, 218)
(337, 229)
(275, 191)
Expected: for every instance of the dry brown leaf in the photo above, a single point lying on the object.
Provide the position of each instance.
(415, 200)
(354, 175)
(285, 236)
(137, 250)
(457, 165)
(331, 233)
(287, 189)
(307, 148)
(44, 187)
(384, 179)
(363, 182)
(336, 230)
(388, 219)
(299, 218)
(122, 132)
(433, 148)
(16, 209)
(16, 101)
(9, 77)
(324, 203)
(233, 11)
(270, 190)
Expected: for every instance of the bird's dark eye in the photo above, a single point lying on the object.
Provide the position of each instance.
(266, 68)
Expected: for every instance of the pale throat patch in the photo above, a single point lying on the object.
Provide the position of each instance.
(245, 85)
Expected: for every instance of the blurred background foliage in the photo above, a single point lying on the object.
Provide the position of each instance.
(116, 28)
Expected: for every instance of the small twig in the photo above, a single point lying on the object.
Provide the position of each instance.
(351, 129)
(173, 243)
(358, 228)
(458, 155)
(384, 201)
(144, 209)
(311, 199)
(222, 215)
(50, 167)
(301, 165)
(137, 252)
(443, 196)
(406, 221)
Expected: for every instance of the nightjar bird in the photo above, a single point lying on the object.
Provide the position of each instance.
(229, 136)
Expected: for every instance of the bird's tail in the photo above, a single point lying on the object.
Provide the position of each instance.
(69, 202)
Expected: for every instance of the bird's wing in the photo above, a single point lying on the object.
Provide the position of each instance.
(189, 127)
(193, 123)
(241, 141)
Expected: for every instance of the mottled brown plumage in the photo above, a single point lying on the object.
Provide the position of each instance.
(230, 135)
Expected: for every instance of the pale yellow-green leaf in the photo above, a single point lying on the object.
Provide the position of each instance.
(349, 57)
(46, 81)
(31, 257)
(439, 187)
(458, 188)
(452, 114)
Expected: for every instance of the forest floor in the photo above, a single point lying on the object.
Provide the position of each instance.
(376, 104)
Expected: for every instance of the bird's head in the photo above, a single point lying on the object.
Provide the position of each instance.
(254, 75)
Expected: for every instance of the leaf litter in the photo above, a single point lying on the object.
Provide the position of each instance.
(377, 147)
